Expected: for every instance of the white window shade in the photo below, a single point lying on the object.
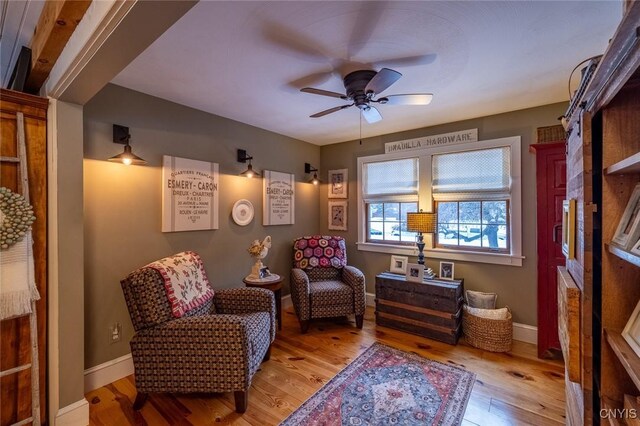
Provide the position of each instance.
(465, 174)
(396, 177)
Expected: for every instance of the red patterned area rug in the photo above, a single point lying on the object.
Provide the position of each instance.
(389, 386)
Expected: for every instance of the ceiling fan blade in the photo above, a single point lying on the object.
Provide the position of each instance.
(371, 114)
(295, 43)
(409, 99)
(311, 79)
(329, 111)
(323, 92)
(407, 61)
(382, 80)
(369, 14)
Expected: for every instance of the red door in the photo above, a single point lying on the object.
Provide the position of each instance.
(551, 183)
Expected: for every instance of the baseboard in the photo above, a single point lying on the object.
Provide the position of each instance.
(525, 333)
(108, 372)
(76, 414)
(371, 299)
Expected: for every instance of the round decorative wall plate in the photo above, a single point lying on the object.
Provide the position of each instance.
(242, 212)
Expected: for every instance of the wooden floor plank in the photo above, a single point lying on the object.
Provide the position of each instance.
(515, 388)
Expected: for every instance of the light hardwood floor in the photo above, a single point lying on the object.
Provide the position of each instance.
(514, 388)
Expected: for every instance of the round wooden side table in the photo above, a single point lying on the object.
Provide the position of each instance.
(274, 285)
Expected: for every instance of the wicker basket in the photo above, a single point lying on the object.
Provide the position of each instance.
(488, 334)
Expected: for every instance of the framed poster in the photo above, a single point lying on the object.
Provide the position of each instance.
(338, 183)
(189, 194)
(629, 226)
(338, 215)
(278, 198)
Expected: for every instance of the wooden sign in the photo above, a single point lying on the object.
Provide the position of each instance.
(189, 194)
(278, 198)
(453, 138)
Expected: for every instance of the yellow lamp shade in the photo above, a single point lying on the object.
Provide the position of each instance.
(421, 222)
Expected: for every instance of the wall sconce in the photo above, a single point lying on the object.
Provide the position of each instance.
(243, 158)
(308, 169)
(121, 135)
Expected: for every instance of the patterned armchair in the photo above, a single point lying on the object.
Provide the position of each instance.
(214, 347)
(322, 285)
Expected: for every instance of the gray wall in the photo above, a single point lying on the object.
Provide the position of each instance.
(67, 261)
(122, 204)
(516, 286)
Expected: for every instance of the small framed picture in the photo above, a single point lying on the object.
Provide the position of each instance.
(399, 264)
(415, 272)
(338, 215)
(446, 270)
(635, 249)
(631, 332)
(338, 183)
(569, 228)
(629, 226)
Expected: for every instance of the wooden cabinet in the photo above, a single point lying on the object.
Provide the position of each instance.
(15, 349)
(603, 168)
(431, 309)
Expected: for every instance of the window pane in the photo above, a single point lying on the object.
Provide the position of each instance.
(448, 212)
(470, 234)
(375, 231)
(392, 231)
(495, 236)
(494, 212)
(392, 211)
(408, 208)
(448, 234)
(391, 177)
(470, 212)
(375, 211)
(472, 171)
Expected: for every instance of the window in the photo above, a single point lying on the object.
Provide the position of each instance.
(388, 222)
(391, 191)
(472, 192)
(473, 224)
(475, 190)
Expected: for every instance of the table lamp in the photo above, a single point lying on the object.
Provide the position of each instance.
(421, 222)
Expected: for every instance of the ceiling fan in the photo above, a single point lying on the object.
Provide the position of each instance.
(362, 86)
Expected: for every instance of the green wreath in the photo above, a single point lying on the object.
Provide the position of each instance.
(16, 215)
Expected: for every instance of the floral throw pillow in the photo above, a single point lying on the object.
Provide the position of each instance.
(319, 251)
(185, 281)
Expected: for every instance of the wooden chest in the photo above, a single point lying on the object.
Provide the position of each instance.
(431, 309)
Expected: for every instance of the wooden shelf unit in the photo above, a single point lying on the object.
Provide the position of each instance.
(627, 357)
(630, 164)
(603, 168)
(623, 254)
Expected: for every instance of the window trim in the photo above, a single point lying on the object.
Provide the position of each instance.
(425, 198)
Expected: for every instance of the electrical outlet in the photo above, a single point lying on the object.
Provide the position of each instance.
(115, 333)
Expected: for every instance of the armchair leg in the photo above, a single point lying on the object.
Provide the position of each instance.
(267, 356)
(304, 326)
(242, 398)
(359, 319)
(141, 398)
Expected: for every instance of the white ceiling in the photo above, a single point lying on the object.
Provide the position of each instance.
(18, 19)
(247, 60)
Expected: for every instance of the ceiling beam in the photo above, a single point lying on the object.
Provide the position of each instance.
(57, 22)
